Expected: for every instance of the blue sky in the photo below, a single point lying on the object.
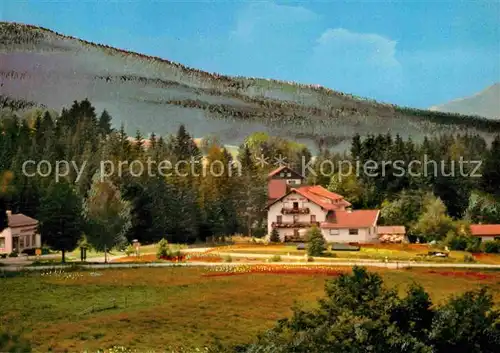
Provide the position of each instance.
(415, 53)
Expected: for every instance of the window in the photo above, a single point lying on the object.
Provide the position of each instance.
(21, 242)
(289, 175)
(2, 243)
(313, 218)
(353, 232)
(28, 240)
(295, 218)
(33, 240)
(295, 205)
(282, 175)
(279, 219)
(334, 232)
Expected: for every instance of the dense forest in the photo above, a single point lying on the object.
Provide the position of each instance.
(190, 205)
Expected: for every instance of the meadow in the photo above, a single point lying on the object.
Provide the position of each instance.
(155, 308)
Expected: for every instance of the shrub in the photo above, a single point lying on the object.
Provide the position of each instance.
(474, 245)
(275, 236)
(13, 343)
(13, 254)
(469, 259)
(310, 259)
(259, 232)
(492, 247)
(316, 244)
(163, 249)
(275, 258)
(456, 242)
(228, 258)
(130, 250)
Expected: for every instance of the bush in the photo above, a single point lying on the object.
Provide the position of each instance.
(13, 254)
(275, 258)
(228, 258)
(275, 236)
(456, 242)
(259, 232)
(310, 259)
(492, 247)
(474, 245)
(316, 244)
(130, 250)
(13, 343)
(468, 259)
(163, 249)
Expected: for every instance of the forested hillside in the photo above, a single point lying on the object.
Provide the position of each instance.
(211, 196)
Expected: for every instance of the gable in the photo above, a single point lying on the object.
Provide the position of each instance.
(284, 172)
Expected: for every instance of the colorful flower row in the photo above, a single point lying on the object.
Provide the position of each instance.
(274, 269)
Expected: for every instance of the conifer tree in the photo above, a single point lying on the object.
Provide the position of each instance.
(60, 218)
(107, 216)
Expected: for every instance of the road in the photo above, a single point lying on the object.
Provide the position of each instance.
(390, 265)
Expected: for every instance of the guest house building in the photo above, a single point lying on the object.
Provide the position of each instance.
(294, 207)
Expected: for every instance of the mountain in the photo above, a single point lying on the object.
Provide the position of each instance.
(485, 103)
(41, 67)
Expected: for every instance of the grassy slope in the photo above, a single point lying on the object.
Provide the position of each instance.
(177, 307)
(150, 93)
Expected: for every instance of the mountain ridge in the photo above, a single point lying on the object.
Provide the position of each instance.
(155, 94)
(484, 103)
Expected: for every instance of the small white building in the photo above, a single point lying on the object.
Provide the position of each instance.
(487, 232)
(294, 207)
(22, 234)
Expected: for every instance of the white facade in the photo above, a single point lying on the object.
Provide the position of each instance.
(316, 213)
(350, 235)
(19, 239)
(485, 238)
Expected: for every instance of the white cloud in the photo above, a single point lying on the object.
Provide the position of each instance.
(261, 17)
(361, 47)
(360, 63)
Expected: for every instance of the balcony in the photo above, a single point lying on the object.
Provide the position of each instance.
(294, 224)
(291, 210)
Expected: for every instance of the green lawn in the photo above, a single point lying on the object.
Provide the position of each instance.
(158, 307)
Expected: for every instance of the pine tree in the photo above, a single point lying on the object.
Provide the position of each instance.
(274, 237)
(105, 123)
(4, 221)
(491, 169)
(60, 218)
(316, 242)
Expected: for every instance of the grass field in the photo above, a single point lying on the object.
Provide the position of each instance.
(391, 252)
(154, 308)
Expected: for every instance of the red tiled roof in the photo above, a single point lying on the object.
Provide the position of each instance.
(316, 194)
(322, 197)
(485, 229)
(20, 220)
(353, 219)
(391, 230)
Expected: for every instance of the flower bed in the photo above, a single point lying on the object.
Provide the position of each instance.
(203, 257)
(462, 274)
(274, 269)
